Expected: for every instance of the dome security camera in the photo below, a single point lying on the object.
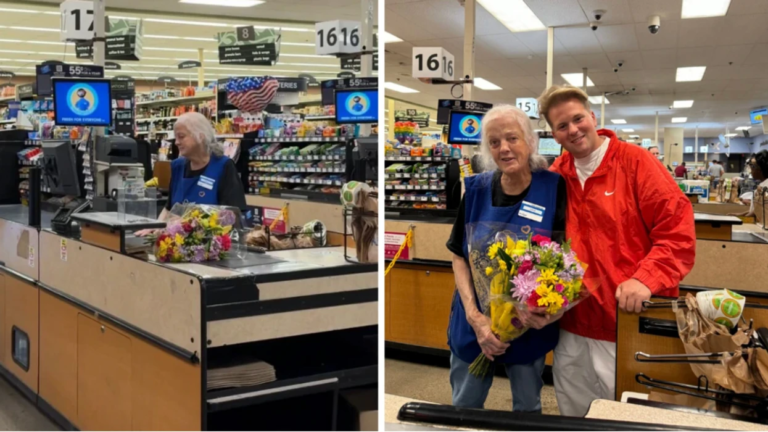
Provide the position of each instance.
(634, 88)
(594, 25)
(654, 24)
(620, 64)
(616, 70)
(599, 14)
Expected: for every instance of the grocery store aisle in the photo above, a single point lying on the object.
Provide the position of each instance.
(17, 413)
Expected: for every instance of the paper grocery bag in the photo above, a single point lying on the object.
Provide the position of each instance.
(760, 204)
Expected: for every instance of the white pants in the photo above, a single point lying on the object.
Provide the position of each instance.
(584, 369)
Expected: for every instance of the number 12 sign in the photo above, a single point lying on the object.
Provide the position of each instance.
(338, 37)
(433, 62)
(76, 20)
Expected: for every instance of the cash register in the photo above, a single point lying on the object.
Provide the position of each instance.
(59, 169)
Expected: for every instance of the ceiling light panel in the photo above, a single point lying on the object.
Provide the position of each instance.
(576, 79)
(704, 8)
(744, 128)
(679, 119)
(389, 38)
(399, 88)
(682, 104)
(730, 135)
(597, 100)
(618, 121)
(685, 74)
(484, 84)
(225, 3)
(627, 130)
(513, 14)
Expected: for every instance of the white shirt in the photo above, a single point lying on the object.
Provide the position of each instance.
(587, 165)
(752, 203)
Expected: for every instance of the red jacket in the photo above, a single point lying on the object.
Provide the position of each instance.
(630, 221)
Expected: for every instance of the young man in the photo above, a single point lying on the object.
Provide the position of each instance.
(629, 221)
(681, 171)
(654, 151)
(716, 171)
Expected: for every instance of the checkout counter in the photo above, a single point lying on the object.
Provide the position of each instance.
(102, 340)
(729, 254)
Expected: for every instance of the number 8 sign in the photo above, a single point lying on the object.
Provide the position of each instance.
(433, 62)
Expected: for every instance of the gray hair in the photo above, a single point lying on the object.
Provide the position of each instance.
(200, 128)
(535, 161)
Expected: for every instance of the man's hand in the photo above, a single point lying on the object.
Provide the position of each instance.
(631, 294)
(489, 342)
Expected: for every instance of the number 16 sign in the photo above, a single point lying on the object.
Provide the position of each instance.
(433, 62)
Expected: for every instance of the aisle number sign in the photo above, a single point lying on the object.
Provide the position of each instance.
(338, 37)
(432, 62)
(392, 242)
(76, 20)
(530, 106)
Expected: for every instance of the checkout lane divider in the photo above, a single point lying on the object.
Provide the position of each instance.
(407, 242)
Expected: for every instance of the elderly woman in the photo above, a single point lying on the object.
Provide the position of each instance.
(201, 174)
(516, 175)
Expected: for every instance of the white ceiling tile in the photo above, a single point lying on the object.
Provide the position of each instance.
(700, 32)
(438, 17)
(667, 37)
(630, 60)
(499, 68)
(501, 46)
(487, 24)
(536, 41)
(604, 78)
(746, 7)
(740, 29)
(758, 55)
(617, 38)
(558, 13)
(659, 58)
(578, 40)
(597, 62)
(666, 9)
(405, 30)
(617, 11)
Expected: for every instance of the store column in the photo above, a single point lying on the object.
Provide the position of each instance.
(673, 145)
(469, 46)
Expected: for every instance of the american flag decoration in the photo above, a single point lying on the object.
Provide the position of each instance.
(252, 94)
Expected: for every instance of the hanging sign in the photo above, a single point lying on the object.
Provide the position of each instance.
(123, 42)
(412, 115)
(25, 91)
(353, 63)
(345, 75)
(530, 106)
(337, 37)
(246, 34)
(445, 106)
(123, 83)
(189, 64)
(76, 20)
(6, 74)
(261, 50)
(112, 66)
(292, 84)
(432, 62)
(344, 83)
(166, 79)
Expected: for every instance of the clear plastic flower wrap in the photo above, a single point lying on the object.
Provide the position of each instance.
(195, 233)
(518, 271)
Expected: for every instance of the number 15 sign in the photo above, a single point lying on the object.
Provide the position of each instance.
(434, 62)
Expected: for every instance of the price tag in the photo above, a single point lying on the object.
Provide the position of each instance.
(76, 20)
(424, 198)
(388, 187)
(339, 36)
(400, 187)
(409, 187)
(435, 199)
(432, 62)
(417, 158)
(530, 106)
(399, 175)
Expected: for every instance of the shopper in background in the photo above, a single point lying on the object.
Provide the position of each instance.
(681, 171)
(201, 174)
(654, 151)
(509, 150)
(758, 164)
(716, 171)
(629, 221)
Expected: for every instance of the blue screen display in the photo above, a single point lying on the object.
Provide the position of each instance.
(357, 106)
(756, 116)
(82, 102)
(464, 128)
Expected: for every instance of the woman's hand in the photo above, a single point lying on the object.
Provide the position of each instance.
(489, 342)
(145, 232)
(537, 317)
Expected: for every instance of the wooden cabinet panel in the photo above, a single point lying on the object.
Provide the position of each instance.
(21, 311)
(58, 354)
(2, 319)
(103, 377)
(420, 305)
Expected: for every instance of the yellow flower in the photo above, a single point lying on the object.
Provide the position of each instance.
(520, 248)
(488, 271)
(510, 243)
(548, 276)
(227, 229)
(213, 220)
(494, 250)
(543, 291)
(502, 265)
(162, 249)
(179, 240)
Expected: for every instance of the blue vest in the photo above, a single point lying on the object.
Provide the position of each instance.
(201, 189)
(478, 206)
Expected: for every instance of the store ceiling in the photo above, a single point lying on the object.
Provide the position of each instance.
(734, 49)
(29, 34)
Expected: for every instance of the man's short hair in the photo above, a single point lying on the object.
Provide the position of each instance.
(556, 95)
(652, 147)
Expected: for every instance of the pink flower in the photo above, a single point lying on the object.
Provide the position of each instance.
(525, 267)
(541, 240)
(565, 302)
(559, 288)
(525, 284)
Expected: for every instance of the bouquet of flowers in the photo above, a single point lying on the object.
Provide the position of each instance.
(522, 276)
(201, 234)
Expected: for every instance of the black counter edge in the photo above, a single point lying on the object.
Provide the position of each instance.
(416, 349)
(17, 274)
(347, 378)
(230, 290)
(450, 416)
(18, 385)
(418, 261)
(162, 343)
(701, 288)
(204, 342)
(55, 415)
(291, 304)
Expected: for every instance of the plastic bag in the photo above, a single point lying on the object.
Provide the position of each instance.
(195, 233)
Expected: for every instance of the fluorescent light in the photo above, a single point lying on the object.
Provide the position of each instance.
(205, 39)
(634, 136)
(199, 23)
(744, 128)
(18, 10)
(704, 8)
(161, 37)
(695, 73)
(731, 135)
(627, 130)
(399, 88)
(679, 119)
(388, 38)
(46, 42)
(11, 40)
(297, 44)
(227, 3)
(299, 55)
(484, 84)
(598, 100)
(514, 14)
(36, 29)
(618, 121)
(682, 104)
(577, 79)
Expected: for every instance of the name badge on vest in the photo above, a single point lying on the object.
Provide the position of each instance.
(532, 211)
(206, 182)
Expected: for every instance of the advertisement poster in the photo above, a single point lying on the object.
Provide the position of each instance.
(392, 242)
(83, 103)
(464, 128)
(269, 215)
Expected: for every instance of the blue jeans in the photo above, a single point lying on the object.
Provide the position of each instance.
(470, 391)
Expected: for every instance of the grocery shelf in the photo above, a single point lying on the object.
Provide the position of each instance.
(424, 198)
(417, 175)
(417, 158)
(298, 181)
(154, 132)
(440, 187)
(229, 136)
(297, 170)
(319, 117)
(301, 140)
(177, 101)
(151, 119)
(298, 158)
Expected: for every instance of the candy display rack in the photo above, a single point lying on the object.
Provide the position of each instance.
(422, 185)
